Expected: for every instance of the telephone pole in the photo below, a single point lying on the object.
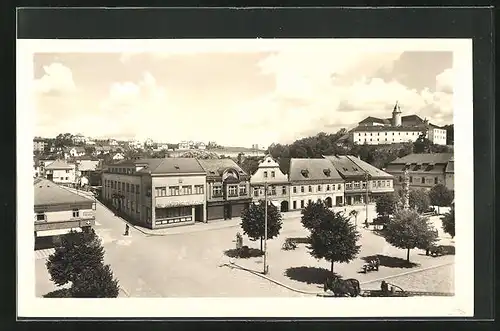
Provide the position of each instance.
(366, 198)
(265, 229)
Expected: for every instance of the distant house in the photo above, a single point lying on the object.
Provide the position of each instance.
(101, 150)
(39, 144)
(201, 146)
(112, 142)
(183, 145)
(118, 156)
(79, 139)
(85, 167)
(149, 142)
(61, 172)
(75, 151)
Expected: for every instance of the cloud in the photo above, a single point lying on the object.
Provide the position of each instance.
(57, 79)
(444, 81)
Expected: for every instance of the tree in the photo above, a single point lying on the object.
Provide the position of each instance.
(386, 204)
(95, 283)
(440, 196)
(252, 221)
(250, 164)
(334, 239)
(313, 213)
(419, 200)
(89, 150)
(78, 251)
(409, 230)
(448, 222)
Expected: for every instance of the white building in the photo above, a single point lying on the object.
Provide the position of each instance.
(79, 139)
(61, 172)
(148, 142)
(278, 186)
(118, 156)
(398, 129)
(184, 145)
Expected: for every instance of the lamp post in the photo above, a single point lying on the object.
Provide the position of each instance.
(366, 191)
(265, 229)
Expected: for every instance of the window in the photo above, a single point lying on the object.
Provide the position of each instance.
(161, 191)
(40, 217)
(339, 187)
(273, 190)
(295, 189)
(435, 180)
(328, 187)
(319, 188)
(67, 171)
(423, 180)
(76, 213)
(187, 189)
(198, 189)
(411, 179)
(132, 187)
(174, 190)
(301, 203)
(294, 205)
(217, 191)
(128, 187)
(233, 190)
(309, 201)
(283, 190)
(67, 178)
(302, 189)
(400, 179)
(265, 174)
(243, 190)
(310, 188)
(137, 189)
(123, 186)
(255, 191)
(273, 174)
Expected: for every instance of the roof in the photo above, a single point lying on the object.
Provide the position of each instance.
(171, 166)
(88, 165)
(382, 128)
(435, 158)
(59, 164)
(371, 119)
(312, 170)
(427, 168)
(214, 167)
(49, 193)
(350, 166)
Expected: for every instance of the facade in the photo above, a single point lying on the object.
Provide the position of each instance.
(183, 145)
(76, 151)
(362, 180)
(157, 192)
(314, 180)
(39, 144)
(60, 172)
(227, 188)
(79, 139)
(118, 156)
(398, 129)
(424, 170)
(202, 146)
(278, 186)
(57, 210)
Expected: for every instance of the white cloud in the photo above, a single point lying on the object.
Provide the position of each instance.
(444, 81)
(57, 79)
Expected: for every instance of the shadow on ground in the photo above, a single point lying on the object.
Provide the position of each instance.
(309, 275)
(299, 240)
(44, 242)
(390, 261)
(242, 253)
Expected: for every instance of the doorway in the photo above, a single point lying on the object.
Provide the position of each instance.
(228, 212)
(284, 206)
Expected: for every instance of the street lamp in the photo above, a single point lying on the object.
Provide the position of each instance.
(367, 176)
(265, 229)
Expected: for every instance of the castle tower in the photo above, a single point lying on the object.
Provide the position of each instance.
(396, 115)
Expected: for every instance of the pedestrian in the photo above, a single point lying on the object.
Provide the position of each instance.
(126, 229)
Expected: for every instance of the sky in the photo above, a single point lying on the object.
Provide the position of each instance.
(235, 99)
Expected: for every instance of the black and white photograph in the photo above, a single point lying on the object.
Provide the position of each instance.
(299, 177)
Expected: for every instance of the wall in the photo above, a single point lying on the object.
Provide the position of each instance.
(336, 191)
(437, 136)
(416, 180)
(450, 181)
(62, 173)
(391, 136)
(132, 202)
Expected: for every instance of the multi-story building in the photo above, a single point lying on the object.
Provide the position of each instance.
(39, 144)
(278, 192)
(228, 188)
(314, 180)
(356, 174)
(79, 139)
(157, 192)
(60, 172)
(76, 151)
(424, 170)
(57, 210)
(398, 129)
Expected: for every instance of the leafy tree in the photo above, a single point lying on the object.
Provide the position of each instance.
(239, 159)
(89, 150)
(450, 139)
(409, 230)
(419, 200)
(78, 251)
(253, 219)
(422, 144)
(95, 283)
(440, 196)
(334, 239)
(386, 204)
(313, 214)
(250, 164)
(448, 222)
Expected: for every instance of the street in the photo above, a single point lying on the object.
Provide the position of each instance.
(189, 264)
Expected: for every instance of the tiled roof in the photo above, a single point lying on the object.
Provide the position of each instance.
(380, 128)
(371, 119)
(312, 170)
(174, 165)
(350, 166)
(59, 164)
(429, 169)
(214, 167)
(48, 193)
(435, 158)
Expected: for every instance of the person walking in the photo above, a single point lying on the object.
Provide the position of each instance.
(127, 228)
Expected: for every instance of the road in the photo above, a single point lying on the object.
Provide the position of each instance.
(189, 264)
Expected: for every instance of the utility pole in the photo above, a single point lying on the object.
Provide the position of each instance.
(366, 198)
(265, 229)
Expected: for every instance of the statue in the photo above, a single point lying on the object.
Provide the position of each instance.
(239, 241)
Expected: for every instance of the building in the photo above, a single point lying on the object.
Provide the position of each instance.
(354, 172)
(102, 150)
(113, 142)
(398, 129)
(79, 139)
(201, 146)
(60, 172)
(157, 192)
(184, 145)
(278, 192)
(424, 170)
(228, 188)
(39, 144)
(314, 180)
(76, 151)
(118, 156)
(57, 210)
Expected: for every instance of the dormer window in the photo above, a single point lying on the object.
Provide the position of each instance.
(305, 173)
(327, 172)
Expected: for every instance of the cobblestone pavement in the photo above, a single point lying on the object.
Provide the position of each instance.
(188, 264)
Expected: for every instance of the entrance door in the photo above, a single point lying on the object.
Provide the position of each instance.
(284, 206)
(228, 212)
(198, 213)
(338, 201)
(328, 202)
(50, 176)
